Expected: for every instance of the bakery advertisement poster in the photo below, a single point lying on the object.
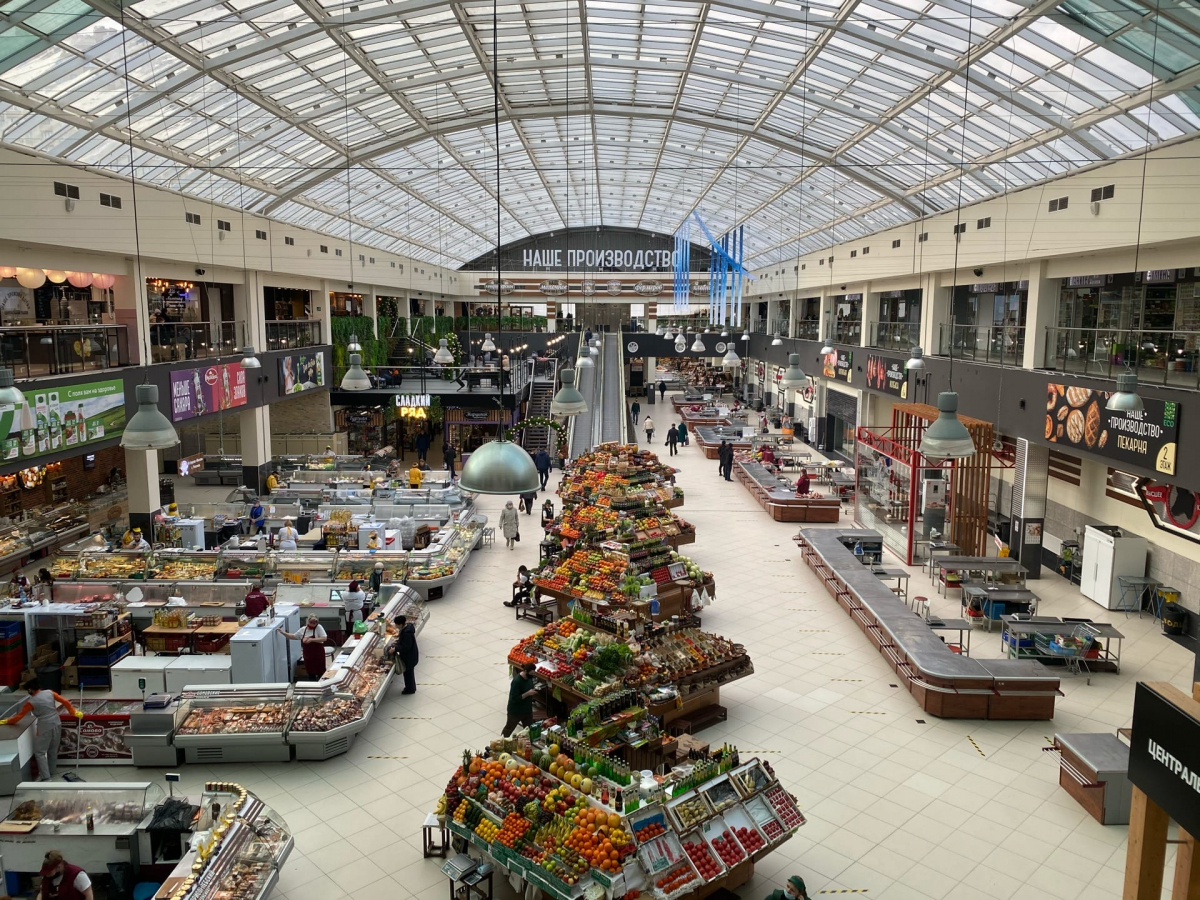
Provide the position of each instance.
(198, 392)
(1077, 417)
(96, 738)
(887, 375)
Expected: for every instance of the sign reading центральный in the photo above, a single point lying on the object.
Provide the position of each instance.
(1164, 751)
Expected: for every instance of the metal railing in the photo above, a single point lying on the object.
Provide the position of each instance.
(808, 330)
(895, 335)
(847, 332)
(287, 335)
(33, 351)
(171, 341)
(1001, 345)
(439, 379)
(1158, 357)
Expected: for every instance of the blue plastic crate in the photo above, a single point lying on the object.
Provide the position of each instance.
(100, 657)
(9, 629)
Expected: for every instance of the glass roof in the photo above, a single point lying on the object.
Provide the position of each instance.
(808, 123)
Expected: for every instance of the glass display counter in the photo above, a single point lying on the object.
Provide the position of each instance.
(436, 567)
(50, 816)
(324, 727)
(359, 564)
(227, 725)
(235, 563)
(116, 565)
(304, 567)
(241, 849)
(56, 526)
(182, 565)
(13, 544)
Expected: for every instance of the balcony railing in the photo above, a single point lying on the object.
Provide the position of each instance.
(808, 330)
(1158, 357)
(171, 341)
(288, 335)
(1001, 345)
(895, 335)
(438, 379)
(35, 351)
(846, 332)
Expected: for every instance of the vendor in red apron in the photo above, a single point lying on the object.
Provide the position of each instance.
(256, 601)
(63, 881)
(312, 647)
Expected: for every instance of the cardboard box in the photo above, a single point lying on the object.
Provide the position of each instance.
(687, 744)
(44, 655)
(70, 673)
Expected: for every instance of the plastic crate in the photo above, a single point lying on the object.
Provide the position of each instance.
(94, 679)
(166, 643)
(93, 657)
(218, 644)
(9, 629)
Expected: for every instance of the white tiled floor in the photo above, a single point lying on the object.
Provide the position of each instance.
(906, 810)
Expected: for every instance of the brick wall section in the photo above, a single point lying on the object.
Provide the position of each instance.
(80, 483)
(302, 414)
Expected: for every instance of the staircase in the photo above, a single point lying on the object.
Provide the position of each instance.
(537, 438)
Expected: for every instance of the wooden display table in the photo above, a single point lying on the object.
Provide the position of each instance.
(781, 502)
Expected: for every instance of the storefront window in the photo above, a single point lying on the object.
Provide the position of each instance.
(190, 320)
(341, 304)
(988, 323)
(847, 314)
(808, 325)
(899, 325)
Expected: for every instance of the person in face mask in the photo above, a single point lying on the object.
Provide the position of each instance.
(793, 890)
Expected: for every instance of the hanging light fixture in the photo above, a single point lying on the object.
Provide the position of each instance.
(149, 429)
(46, 340)
(9, 395)
(585, 358)
(443, 356)
(697, 345)
(745, 336)
(355, 378)
(777, 341)
(680, 343)
(660, 331)
(827, 347)
(916, 362)
(947, 437)
(79, 279)
(249, 360)
(31, 278)
(793, 375)
(1126, 398)
(354, 346)
(488, 345)
(568, 401)
(725, 332)
(731, 360)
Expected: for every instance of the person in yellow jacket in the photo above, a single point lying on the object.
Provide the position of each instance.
(414, 477)
(272, 483)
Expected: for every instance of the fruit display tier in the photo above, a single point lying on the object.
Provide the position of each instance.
(619, 477)
(578, 835)
(588, 525)
(674, 663)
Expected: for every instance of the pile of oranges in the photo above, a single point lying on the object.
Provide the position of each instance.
(598, 838)
(491, 770)
(512, 829)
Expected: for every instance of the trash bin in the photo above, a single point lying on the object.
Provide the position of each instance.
(121, 874)
(50, 677)
(1174, 620)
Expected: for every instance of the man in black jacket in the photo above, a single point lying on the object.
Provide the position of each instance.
(727, 462)
(406, 652)
(449, 455)
(542, 461)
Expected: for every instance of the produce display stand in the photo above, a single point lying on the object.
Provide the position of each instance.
(778, 497)
(243, 853)
(526, 808)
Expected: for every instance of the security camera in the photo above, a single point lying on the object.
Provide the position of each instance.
(350, 286)
(842, 288)
(977, 272)
(199, 271)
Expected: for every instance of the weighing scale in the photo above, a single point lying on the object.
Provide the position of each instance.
(458, 866)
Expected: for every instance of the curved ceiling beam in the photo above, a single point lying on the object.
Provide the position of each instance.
(551, 110)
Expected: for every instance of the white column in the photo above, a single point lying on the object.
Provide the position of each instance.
(828, 314)
(936, 305)
(870, 314)
(255, 431)
(1041, 313)
(141, 476)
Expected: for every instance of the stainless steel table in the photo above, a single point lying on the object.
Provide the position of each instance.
(962, 626)
(901, 576)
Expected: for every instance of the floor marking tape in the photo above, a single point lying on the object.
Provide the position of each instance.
(975, 745)
(866, 712)
(846, 891)
(387, 757)
(846, 679)
(826, 653)
(445, 657)
(812, 631)
(413, 718)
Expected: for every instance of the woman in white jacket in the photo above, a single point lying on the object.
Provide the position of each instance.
(509, 523)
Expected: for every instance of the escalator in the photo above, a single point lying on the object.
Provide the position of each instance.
(603, 386)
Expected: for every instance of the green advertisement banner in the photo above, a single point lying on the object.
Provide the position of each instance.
(61, 418)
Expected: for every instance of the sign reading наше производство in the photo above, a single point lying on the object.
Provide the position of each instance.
(1079, 417)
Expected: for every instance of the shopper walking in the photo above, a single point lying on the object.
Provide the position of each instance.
(727, 462)
(794, 889)
(542, 461)
(683, 433)
(44, 706)
(672, 440)
(521, 691)
(510, 525)
(721, 459)
(636, 410)
(648, 426)
(527, 501)
(422, 444)
(407, 653)
(662, 390)
(449, 455)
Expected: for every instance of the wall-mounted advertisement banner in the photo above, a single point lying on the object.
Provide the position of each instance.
(887, 375)
(209, 389)
(62, 418)
(302, 372)
(838, 364)
(1078, 417)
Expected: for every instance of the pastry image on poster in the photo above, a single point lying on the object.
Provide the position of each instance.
(1079, 417)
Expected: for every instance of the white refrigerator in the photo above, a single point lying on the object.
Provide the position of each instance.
(1109, 552)
(262, 654)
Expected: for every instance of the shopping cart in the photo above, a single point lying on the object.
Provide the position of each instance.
(1071, 648)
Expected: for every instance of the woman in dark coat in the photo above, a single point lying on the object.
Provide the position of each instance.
(406, 652)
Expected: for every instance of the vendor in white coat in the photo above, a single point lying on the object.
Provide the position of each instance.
(288, 535)
(352, 602)
(44, 706)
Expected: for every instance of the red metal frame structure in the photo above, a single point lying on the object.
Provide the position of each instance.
(968, 480)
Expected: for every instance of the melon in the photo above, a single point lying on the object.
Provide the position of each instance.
(504, 757)
(586, 785)
(554, 750)
(576, 780)
(511, 764)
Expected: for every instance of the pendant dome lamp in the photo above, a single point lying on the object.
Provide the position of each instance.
(443, 356)
(916, 361)
(827, 347)
(745, 336)
(249, 360)
(777, 341)
(698, 345)
(499, 466)
(354, 346)
(10, 395)
(730, 360)
(680, 343)
(149, 429)
(1125, 398)
(793, 375)
(660, 331)
(568, 401)
(355, 378)
(488, 345)
(725, 332)
(947, 437)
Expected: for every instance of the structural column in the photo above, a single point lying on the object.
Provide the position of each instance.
(1040, 313)
(141, 476)
(935, 312)
(551, 317)
(255, 425)
(1030, 480)
(870, 314)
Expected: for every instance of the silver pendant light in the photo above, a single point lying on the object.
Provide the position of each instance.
(731, 360)
(354, 346)
(827, 347)
(947, 437)
(697, 345)
(777, 341)
(680, 343)
(793, 375)
(355, 378)
(1126, 398)
(443, 356)
(916, 362)
(745, 336)
(249, 360)
(149, 429)
(488, 345)
(568, 401)
(660, 331)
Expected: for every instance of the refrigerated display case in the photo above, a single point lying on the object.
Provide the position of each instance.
(13, 545)
(115, 565)
(236, 723)
(182, 565)
(359, 564)
(51, 816)
(57, 526)
(436, 567)
(324, 727)
(236, 563)
(302, 567)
